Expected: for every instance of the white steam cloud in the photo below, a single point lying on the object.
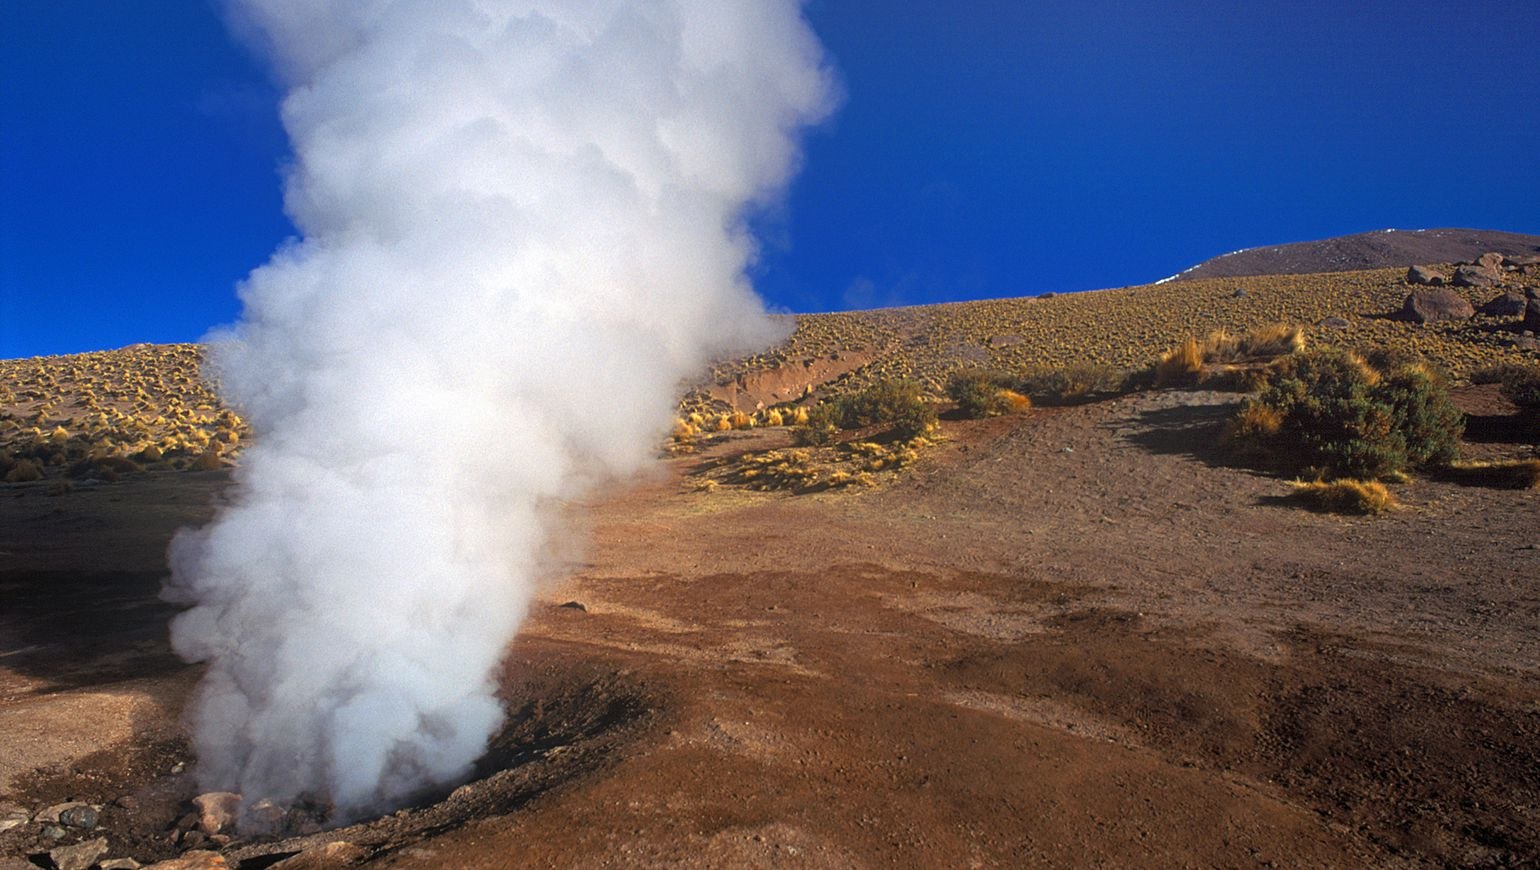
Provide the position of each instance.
(522, 227)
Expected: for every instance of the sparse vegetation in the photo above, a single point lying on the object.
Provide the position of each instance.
(1329, 414)
(1344, 496)
(1065, 385)
(897, 405)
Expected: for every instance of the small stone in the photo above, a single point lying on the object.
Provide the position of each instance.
(82, 816)
(51, 814)
(79, 856)
(119, 864)
(574, 605)
(127, 802)
(11, 822)
(1425, 275)
(194, 839)
(195, 860)
(1239, 293)
(217, 810)
(53, 832)
(1334, 323)
(336, 854)
(178, 767)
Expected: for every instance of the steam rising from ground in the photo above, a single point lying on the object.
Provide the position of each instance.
(521, 229)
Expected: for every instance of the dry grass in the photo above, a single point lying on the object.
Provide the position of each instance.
(1497, 474)
(1345, 496)
(1126, 329)
(813, 469)
(111, 413)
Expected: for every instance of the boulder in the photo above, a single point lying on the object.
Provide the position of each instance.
(1430, 306)
(1531, 315)
(1476, 276)
(1490, 260)
(1510, 304)
(79, 856)
(1518, 261)
(1426, 276)
(217, 810)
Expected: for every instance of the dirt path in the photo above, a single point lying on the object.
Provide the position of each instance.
(1072, 638)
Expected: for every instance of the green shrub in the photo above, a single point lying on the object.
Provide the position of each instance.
(1063, 385)
(1338, 417)
(1521, 385)
(980, 393)
(897, 404)
(821, 428)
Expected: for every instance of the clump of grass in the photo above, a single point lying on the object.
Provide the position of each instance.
(1499, 474)
(1181, 365)
(1329, 414)
(1345, 496)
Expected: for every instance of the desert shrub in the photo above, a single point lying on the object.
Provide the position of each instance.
(982, 393)
(819, 427)
(1060, 385)
(1345, 496)
(24, 471)
(740, 420)
(1521, 386)
(1330, 414)
(1267, 342)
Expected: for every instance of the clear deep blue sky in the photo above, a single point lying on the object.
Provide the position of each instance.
(984, 149)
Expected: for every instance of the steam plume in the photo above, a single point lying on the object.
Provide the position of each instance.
(522, 227)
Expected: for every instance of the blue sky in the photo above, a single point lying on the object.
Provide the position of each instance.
(984, 149)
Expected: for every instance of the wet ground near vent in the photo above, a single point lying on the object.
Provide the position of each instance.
(1075, 637)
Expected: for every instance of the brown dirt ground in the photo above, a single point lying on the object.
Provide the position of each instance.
(1071, 638)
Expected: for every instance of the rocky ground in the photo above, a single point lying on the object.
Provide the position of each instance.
(1073, 637)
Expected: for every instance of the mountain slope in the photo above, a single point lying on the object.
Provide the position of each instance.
(1376, 250)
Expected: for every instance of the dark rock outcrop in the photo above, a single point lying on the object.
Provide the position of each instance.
(1431, 306)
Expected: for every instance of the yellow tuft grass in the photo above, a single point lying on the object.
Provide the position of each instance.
(1345, 496)
(1015, 402)
(1180, 365)
(1501, 474)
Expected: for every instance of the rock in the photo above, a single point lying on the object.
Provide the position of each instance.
(193, 839)
(83, 816)
(1518, 261)
(574, 605)
(1334, 323)
(16, 864)
(50, 815)
(1239, 293)
(1476, 276)
(10, 822)
(119, 864)
(1426, 275)
(195, 860)
(127, 802)
(1430, 306)
(79, 856)
(1490, 260)
(1510, 304)
(217, 810)
(1532, 292)
(1531, 321)
(53, 832)
(338, 854)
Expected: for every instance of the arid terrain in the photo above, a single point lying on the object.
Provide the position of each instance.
(1079, 636)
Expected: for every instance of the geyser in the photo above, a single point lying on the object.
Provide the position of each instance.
(522, 225)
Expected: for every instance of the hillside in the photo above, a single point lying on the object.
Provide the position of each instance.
(1374, 250)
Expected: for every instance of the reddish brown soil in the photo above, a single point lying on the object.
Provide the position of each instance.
(1076, 637)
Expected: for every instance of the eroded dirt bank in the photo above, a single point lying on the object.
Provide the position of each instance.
(1068, 638)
